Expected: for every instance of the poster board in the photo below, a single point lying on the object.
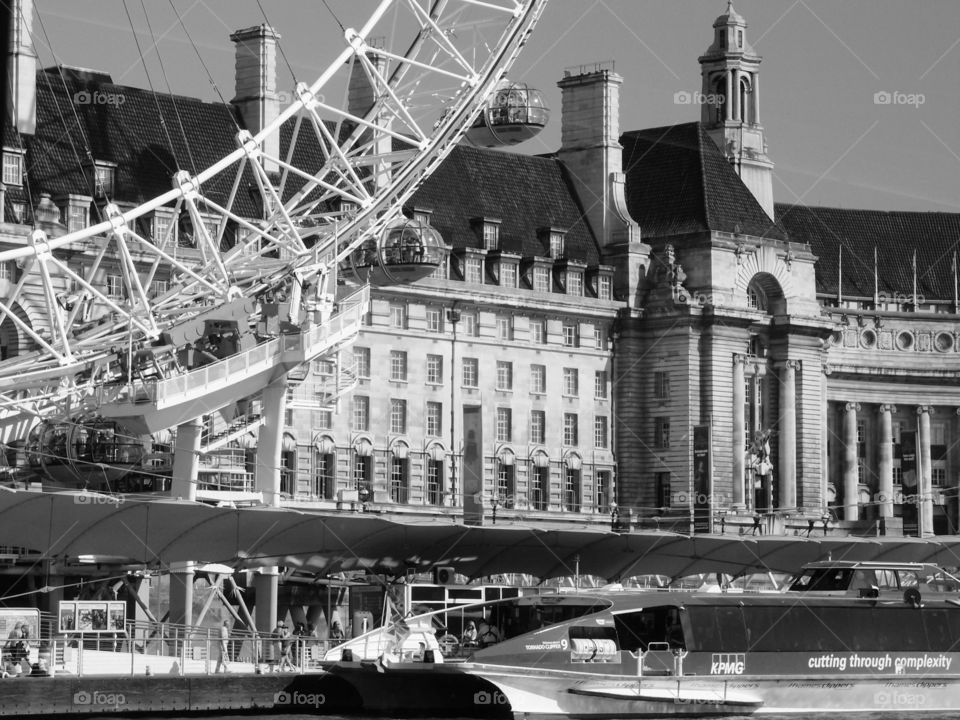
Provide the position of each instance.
(11, 618)
(92, 616)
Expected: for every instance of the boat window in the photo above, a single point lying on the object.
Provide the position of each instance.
(909, 578)
(823, 580)
(636, 630)
(718, 626)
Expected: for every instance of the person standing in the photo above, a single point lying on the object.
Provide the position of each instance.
(222, 650)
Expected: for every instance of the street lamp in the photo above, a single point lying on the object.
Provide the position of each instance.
(494, 503)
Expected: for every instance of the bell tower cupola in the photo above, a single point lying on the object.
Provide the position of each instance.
(730, 70)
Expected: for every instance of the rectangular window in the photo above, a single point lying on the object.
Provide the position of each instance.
(12, 169)
(600, 384)
(571, 335)
(105, 177)
(434, 419)
(77, 217)
(162, 224)
(398, 365)
(361, 413)
(661, 386)
(508, 274)
(571, 382)
(398, 416)
(599, 338)
(363, 476)
(115, 286)
(571, 432)
(399, 480)
(539, 488)
(504, 327)
(398, 315)
(323, 478)
(324, 419)
(556, 245)
(538, 427)
(491, 236)
(600, 439)
(435, 320)
(602, 480)
(541, 279)
(571, 490)
(434, 482)
(504, 375)
(422, 218)
(538, 379)
(661, 432)
(324, 368)
(361, 360)
(538, 331)
(938, 475)
(159, 287)
(663, 490)
(506, 486)
(574, 282)
(471, 372)
(604, 287)
(504, 425)
(435, 369)
(471, 324)
(473, 271)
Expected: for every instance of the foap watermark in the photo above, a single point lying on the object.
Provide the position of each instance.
(895, 97)
(899, 298)
(683, 97)
(489, 698)
(99, 698)
(685, 497)
(302, 699)
(85, 497)
(98, 97)
(899, 698)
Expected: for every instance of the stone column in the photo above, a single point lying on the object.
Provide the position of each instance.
(728, 105)
(851, 481)
(736, 110)
(925, 489)
(886, 460)
(756, 98)
(788, 434)
(739, 430)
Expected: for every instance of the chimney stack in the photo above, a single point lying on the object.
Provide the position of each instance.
(21, 98)
(256, 84)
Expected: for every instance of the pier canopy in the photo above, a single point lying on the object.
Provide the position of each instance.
(66, 526)
(515, 112)
(406, 251)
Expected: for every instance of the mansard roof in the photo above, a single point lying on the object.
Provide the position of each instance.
(525, 192)
(678, 182)
(895, 235)
(148, 136)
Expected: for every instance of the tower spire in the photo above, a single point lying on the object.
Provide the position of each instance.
(730, 74)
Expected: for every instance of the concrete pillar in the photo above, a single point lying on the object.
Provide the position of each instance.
(925, 506)
(267, 481)
(186, 460)
(265, 584)
(851, 480)
(181, 592)
(886, 460)
(788, 434)
(739, 430)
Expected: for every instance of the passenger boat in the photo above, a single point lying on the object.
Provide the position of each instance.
(824, 645)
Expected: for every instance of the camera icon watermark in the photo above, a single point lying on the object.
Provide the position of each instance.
(684, 97)
(489, 698)
(302, 699)
(99, 697)
(899, 698)
(98, 97)
(895, 97)
(84, 497)
(899, 298)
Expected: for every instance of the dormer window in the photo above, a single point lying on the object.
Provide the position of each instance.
(491, 235)
(75, 211)
(508, 274)
(473, 271)
(105, 179)
(574, 282)
(556, 245)
(422, 217)
(12, 168)
(541, 279)
(604, 287)
(163, 225)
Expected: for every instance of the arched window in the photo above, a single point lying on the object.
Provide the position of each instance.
(756, 297)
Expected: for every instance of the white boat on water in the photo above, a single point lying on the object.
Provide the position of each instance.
(875, 637)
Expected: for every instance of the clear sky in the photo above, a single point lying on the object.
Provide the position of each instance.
(824, 62)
